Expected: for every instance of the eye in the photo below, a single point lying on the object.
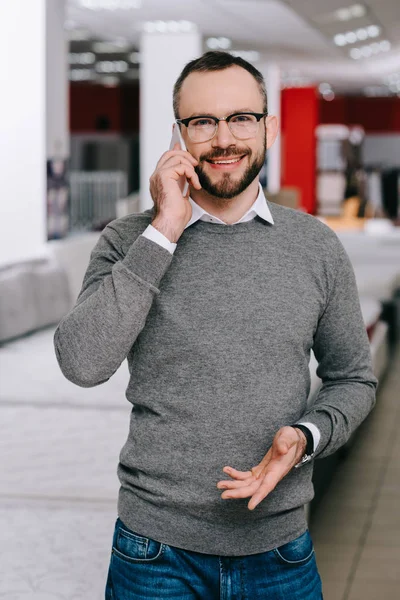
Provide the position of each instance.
(242, 118)
(202, 123)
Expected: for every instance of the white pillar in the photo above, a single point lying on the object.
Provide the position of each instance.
(57, 105)
(272, 77)
(163, 57)
(23, 232)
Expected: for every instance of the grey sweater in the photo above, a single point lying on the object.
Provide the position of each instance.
(218, 338)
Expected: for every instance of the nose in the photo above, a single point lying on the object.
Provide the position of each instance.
(223, 138)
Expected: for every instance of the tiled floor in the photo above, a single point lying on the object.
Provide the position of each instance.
(356, 529)
(58, 495)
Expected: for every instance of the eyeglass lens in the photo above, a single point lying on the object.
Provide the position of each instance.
(241, 126)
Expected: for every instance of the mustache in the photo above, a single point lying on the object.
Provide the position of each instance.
(223, 153)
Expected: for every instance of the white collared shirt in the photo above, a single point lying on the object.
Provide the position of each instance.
(260, 208)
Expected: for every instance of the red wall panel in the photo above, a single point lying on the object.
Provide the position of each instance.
(300, 117)
(376, 115)
(90, 103)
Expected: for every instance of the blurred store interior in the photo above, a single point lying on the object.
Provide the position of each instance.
(87, 112)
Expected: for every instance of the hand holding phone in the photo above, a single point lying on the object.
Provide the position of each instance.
(169, 185)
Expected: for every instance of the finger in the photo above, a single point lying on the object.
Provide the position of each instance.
(285, 439)
(237, 474)
(188, 172)
(175, 160)
(234, 484)
(259, 469)
(269, 483)
(243, 492)
(176, 152)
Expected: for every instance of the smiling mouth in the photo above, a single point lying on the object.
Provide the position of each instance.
(226, 161)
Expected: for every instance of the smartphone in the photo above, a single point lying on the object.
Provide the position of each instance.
(177, 138)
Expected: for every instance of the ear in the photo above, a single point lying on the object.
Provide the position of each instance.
(271, 129)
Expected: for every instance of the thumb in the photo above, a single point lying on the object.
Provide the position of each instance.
(284, 444)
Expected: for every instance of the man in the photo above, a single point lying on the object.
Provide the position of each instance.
(216, 299)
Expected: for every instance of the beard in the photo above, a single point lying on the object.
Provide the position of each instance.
(227, 187)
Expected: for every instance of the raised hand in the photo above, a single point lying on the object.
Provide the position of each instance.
(287, 449)
(172, 210)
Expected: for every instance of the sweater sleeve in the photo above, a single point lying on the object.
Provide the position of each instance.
(342, 349)
(93, 339)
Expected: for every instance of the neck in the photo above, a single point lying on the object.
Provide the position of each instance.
(230, 211)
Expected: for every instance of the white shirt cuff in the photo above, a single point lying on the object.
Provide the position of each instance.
(315, 432)
(151, 233)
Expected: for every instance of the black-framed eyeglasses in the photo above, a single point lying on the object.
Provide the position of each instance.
(203, 128)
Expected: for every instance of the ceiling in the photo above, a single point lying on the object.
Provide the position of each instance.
(298, 34)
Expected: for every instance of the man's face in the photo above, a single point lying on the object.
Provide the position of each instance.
(221, 93)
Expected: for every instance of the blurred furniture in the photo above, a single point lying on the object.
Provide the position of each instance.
(127, 206)
(94, 197)
(33, 294)
(73, 255)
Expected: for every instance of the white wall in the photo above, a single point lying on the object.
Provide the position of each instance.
(57, 125)
(34, 125)
(22, 129)
(163, 58)
(272, 76)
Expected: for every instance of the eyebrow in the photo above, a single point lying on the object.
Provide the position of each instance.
(206, 114)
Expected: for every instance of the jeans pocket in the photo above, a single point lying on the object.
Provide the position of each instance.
(135, 548)
(297, 552)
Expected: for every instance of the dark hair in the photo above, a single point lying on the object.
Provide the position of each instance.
(217, 60)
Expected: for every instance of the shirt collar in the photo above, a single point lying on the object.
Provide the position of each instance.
(260, 208)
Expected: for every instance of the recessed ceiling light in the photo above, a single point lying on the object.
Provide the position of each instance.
(187, 26)
(355, 53)
(109, 81)
(135, 57)
(169, 26)
(112, 66)
(343, 14)
(110, 4)
(355, 11)
(324, 87)
(370, 49)
(385, 45)
(329, 95)
(350, 37)
(81, 74)
(362, 34)
(358, 10)
(373, 30)
(366, 51)
(81, 58)
(218, 43)
(110, 47)
(340, 39)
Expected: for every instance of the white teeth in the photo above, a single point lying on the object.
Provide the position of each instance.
(226, 162)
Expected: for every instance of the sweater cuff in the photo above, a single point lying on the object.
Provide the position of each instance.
(147, 260)
(314, 431)
(322, 422)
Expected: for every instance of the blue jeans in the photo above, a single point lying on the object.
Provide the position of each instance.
(141, 568)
